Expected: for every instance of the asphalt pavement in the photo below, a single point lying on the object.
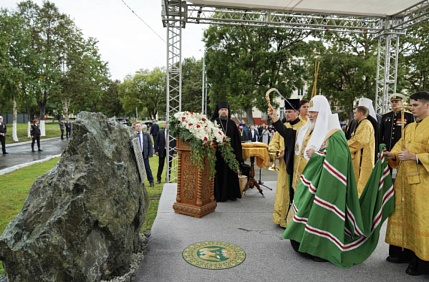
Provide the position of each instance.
(248, 224)
(20, 155)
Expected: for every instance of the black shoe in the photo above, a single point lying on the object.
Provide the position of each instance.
(412, 270)
(5, 153)
(317, 259)
(397, 260)
(158, 182)
(33, 151)
(40, 150)
(151, 184)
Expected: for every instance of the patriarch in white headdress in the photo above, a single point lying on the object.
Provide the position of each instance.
(318, 127)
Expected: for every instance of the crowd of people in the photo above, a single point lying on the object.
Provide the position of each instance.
(332, 189)
(34, 133)
(154, 140)
(336, 179)
(335, 188)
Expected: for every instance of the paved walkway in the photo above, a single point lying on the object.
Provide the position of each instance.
(247, 223)
(20, 154)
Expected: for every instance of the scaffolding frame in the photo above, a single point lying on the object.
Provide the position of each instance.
(176, 14)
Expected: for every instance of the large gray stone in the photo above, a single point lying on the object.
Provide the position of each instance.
(81, 220)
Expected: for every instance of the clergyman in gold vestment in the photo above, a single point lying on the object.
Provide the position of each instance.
(306, 143)
(408, 226)
(282, 197)
(362, 147)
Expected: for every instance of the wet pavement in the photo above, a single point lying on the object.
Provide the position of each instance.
(19, 154)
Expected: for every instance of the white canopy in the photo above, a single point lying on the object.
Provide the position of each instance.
(370, 8)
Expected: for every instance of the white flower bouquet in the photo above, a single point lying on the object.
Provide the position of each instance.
(204, 137)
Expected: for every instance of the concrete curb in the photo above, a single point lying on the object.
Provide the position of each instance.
(15, 167)
(29, 142)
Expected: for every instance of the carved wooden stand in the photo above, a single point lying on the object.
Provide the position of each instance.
(195, 190)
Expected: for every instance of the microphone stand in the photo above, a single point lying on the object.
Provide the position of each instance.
(260, 181)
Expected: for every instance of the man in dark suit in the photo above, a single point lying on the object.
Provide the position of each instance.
(260, 129)
(253, 134)
(145, 141)
(154, 129)
(161, 151)
(62, 127)
(3, 135)
(35, 135)
(68, 129)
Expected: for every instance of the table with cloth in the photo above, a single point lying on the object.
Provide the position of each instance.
(258, 151)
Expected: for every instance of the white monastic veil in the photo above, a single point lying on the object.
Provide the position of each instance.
(368, 103)
(334, 122)
(321, 105)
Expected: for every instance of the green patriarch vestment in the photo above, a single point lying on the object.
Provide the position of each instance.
(330, 221)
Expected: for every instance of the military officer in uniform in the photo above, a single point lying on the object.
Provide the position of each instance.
(391, 122)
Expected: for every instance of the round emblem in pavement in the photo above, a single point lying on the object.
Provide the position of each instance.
(214, 255)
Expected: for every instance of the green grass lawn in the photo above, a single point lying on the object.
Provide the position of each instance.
(15, 186)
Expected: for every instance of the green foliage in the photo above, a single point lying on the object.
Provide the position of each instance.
(110, 103)
(47, 66)
(228, 156)
(144, 92)
(85, 78)
(152, 211)
(46, 63)
(348, 65)
(16, 54)
(243, 63)
(191, 85)
(415, 59)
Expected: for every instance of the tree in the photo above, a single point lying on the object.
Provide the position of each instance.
(67, 71)
(243, 63)
(110, 101)
(144, 93)
(16, 56)
(348, 64)
(415, 57)
(191, 85)
(85, 76)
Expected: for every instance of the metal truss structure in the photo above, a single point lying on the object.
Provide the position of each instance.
(173, 14)
(275, 19)
(387, 69)
(176, 14)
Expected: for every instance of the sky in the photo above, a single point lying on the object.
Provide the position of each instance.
(127, 42)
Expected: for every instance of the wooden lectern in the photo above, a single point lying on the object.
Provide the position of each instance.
(195, 190)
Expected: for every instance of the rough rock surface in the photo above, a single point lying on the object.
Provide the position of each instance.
(81, 220)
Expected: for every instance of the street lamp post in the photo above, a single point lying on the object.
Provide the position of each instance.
(203, 92)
